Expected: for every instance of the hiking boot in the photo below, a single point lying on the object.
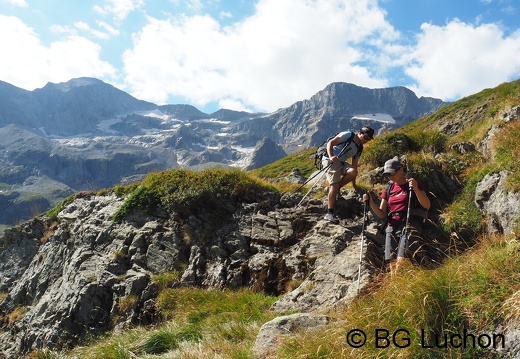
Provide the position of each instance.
(331, 218)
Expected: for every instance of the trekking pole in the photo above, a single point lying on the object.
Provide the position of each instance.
(323, 171)
(406, 233)
(309, 191)
(310, 178)
(362, 242)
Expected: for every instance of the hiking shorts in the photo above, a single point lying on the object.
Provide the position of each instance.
(336, 171)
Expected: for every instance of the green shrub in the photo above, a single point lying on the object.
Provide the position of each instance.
(166, 279)
(181, 190)
(122, 191)
(197, 306)
(431, 141)
(159, 342)
(141, 197)
(508, 153)
(185, 191)
(383, 148)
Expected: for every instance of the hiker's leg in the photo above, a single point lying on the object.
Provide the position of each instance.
(402, 247)
(390, 249)
(350, 175)
(333, 193)
(334, 177)
(402, 238)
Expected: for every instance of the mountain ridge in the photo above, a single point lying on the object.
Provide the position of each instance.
(93, 135)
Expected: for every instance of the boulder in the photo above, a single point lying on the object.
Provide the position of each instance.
(270, 333)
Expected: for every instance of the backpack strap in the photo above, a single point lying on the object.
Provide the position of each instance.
(321, 151)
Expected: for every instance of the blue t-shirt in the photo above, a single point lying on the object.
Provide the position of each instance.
(352, 150)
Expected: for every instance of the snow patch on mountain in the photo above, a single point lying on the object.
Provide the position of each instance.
(246, 158)
(381, 117)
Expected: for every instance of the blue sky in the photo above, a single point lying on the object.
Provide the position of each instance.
(261, 55)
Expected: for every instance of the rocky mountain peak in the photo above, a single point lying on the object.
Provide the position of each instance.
(73, 83)
(96, 135)
(266, 151)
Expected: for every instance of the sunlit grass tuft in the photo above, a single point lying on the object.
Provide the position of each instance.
(201, 323)
(474, 291)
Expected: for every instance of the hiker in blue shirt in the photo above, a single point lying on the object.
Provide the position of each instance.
(341, 172)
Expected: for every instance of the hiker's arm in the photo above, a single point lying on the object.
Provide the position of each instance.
(330, 148)
(378, 211)
(422, 197)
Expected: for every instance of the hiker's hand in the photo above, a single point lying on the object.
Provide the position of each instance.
(412, 183)
(333, 159)
(366, 197)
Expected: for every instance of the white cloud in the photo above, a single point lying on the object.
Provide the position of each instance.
(81, 26)
(233, 104)
(112, 31)
(119, 8)
(30, 64)
(194, 5)
(285, 52)
(225, 15)
(454, 60)
(21, 3)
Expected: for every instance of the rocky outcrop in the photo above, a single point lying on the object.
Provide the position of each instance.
(70, 277)
(84, 273)
(500, 207)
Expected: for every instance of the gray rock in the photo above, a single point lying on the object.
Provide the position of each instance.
(270, 333)
(500, 207)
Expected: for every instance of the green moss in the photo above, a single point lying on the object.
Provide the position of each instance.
(385, 147)
(141, 197)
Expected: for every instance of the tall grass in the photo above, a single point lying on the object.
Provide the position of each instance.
(198, 323)
(472, 292)
(507, 147)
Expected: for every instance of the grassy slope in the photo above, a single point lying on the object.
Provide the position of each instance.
(475, 290)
